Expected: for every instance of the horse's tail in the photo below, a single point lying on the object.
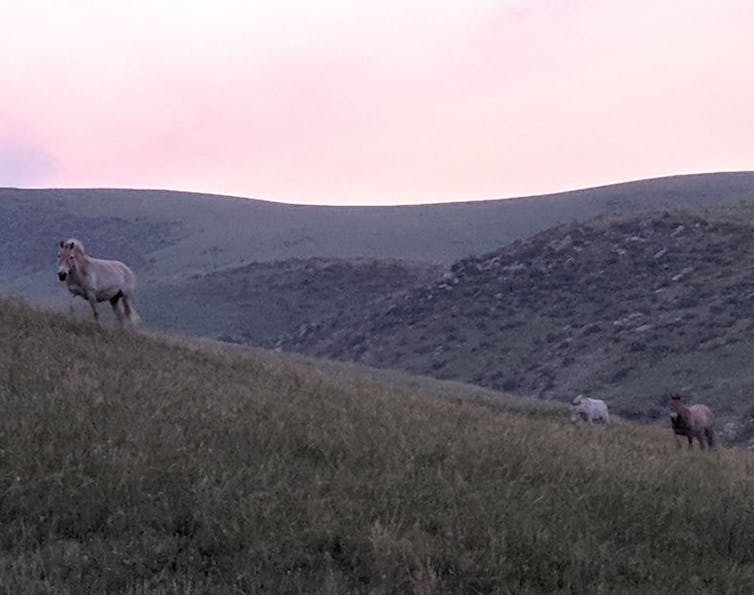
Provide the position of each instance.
(710, 434)
(134, 317)
(129, 311)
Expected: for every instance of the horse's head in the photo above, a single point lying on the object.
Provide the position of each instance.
(68, 254)
(576, 413)
(676, 407)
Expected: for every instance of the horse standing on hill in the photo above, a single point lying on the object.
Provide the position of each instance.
(589, 410)
(97, 280)
(695, 421)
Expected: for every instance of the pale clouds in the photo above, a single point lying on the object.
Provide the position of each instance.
(22, 164)
(413, 101)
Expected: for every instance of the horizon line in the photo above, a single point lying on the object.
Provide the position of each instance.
(572, 190)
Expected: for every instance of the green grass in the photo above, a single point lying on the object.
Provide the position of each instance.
(132, 464)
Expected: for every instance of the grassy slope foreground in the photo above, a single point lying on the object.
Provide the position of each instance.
(131, 465)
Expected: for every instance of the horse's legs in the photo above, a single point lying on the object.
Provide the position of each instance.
(93, 303)
(691, 440)
(118, 313)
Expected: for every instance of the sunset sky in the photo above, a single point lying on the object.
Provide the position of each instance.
(396, 101)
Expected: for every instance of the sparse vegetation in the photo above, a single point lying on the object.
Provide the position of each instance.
(626, 310)
(259, 302)
(134, 465)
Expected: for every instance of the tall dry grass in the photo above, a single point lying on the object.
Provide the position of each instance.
(128, 465)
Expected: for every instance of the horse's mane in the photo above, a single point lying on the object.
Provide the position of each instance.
(74, 243)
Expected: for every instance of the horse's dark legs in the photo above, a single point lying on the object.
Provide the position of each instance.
(116, 309)
(114, 303)
(710, 435)
(93, 303)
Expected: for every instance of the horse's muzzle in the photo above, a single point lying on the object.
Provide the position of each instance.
(62, 275)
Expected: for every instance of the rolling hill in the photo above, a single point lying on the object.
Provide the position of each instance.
(625, 309)
(257, 303)
(167, 235)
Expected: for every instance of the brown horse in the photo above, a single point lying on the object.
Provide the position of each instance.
(695, 421)
(97, 280)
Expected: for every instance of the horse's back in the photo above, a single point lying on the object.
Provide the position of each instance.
(591, 409)
(113, 273)
(702, 415)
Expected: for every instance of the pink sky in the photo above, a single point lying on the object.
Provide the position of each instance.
(344, 102)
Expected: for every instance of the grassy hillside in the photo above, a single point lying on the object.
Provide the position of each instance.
(259, 302)
(132, 465)
(251, 272)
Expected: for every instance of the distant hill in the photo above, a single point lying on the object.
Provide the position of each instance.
(258, 302)
(167, 236)
(622, 309)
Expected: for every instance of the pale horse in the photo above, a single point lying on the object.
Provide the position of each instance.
(589, 410)
(98, 280)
